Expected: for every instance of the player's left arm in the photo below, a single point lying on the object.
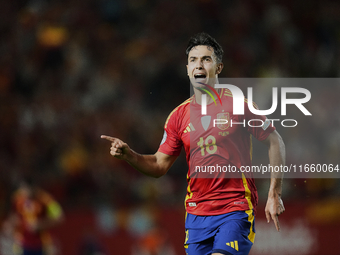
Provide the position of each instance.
(277, 156)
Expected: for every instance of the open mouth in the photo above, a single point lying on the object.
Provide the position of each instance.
(200, 77)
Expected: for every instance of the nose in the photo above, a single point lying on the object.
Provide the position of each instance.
(199, 65)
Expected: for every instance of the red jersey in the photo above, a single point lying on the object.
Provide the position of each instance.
(210, 142)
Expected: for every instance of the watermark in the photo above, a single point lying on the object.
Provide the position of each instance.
(238, 104)
(264, 169)
(256, 122)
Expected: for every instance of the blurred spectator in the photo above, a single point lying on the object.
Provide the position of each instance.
(34, 213)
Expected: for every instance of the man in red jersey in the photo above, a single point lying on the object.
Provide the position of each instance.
(220, 208)
(34, 212)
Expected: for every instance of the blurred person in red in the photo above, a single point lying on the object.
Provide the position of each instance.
(33, 213)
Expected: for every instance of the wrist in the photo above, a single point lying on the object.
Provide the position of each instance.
(273, 193)
(131, 157)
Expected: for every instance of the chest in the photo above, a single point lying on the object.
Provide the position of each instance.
(219, 126)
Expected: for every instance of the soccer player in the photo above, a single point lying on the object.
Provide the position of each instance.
(220, 210)
(33, 213)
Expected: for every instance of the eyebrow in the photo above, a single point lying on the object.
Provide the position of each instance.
(203, 57)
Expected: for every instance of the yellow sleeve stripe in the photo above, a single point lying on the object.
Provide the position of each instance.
(229, 94)
(221, 94)
(167, 120)
(255, 105)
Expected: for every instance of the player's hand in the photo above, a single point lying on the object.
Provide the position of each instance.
(118, 149)
(274, 208)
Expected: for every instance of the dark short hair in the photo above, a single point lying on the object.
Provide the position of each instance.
(206, 40)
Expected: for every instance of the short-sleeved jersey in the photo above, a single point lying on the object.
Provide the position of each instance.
(209, 141)
(31, 210)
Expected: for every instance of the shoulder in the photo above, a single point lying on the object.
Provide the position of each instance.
(226, 95)
(180, 111)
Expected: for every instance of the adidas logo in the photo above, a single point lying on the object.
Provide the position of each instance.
(189, 128)
(233, 245)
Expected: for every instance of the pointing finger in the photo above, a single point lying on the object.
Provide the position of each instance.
(109, 138)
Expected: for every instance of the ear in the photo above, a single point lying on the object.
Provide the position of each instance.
(219, 68)
(187, 70)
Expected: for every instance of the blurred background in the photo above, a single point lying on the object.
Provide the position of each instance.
(73, 70)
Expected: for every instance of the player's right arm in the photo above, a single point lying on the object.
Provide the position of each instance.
(155, 165)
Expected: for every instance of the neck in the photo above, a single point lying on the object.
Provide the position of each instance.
(198, 95)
